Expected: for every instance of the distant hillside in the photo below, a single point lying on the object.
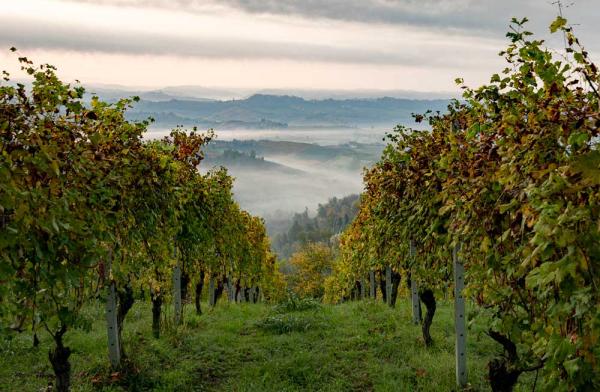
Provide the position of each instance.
(348, 156)
(233, 159)
(276, 111)
(331, 219)
(110, 92)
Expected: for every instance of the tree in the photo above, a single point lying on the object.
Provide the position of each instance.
(311, 265)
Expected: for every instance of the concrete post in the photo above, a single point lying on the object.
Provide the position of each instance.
(112, 329)
(177, 287)
(414, 289)
(211, 291)
(459, 320)
(388, 284)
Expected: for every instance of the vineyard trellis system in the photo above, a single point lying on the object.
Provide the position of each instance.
(502, 194)
(90, 210)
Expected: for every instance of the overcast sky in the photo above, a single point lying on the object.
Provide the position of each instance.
(420, 45)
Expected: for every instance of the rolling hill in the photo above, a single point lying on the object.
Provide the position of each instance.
(262, 111)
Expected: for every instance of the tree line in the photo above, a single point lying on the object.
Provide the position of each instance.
(331, 219)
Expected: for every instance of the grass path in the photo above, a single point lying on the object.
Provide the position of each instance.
(361, 346)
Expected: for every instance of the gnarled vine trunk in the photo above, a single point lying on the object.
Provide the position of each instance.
(126, 301)
(59, 358)
(185, 281)
(238, 290)
(256, 294)
(156, 310)
(382, 287)
(396, 278)
(355, 294)
(502, 371)
(428, 298)
(219, 290)
(502, 377)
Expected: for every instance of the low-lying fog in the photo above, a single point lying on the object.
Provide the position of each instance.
(270, 191)
(276, 194)
(322, 137)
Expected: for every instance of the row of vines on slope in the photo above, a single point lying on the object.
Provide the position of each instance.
(511, 174)
(88, 207)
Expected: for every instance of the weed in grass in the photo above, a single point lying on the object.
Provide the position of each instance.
(286, 323)
(293, 303)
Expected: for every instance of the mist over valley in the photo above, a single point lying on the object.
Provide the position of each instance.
(288, 154)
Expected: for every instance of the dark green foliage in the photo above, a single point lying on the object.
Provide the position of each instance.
(331, 219)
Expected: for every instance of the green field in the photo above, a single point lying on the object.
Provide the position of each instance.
(359, 346)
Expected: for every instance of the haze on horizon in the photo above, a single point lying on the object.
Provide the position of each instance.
(278, 44)
(227, 49)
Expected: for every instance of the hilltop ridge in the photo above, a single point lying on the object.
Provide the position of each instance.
(265, 111)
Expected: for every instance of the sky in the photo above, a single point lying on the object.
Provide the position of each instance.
(412, 45)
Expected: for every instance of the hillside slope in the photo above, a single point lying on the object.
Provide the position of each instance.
(359, 346)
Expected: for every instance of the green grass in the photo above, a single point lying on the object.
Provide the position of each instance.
(360, 346)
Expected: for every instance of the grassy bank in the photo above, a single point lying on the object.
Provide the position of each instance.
(359, 346)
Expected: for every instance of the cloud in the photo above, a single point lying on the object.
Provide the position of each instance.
(382, 44)
(426, 13)
(481, 16)
(30, 34)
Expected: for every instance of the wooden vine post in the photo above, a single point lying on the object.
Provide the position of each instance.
(230, 293)
(372, 287)
(363, 289)
(114, 349)
(388, 284)
(177, 287)
(230, 285)
(211, 291)
(459, 319)
(414, 289)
